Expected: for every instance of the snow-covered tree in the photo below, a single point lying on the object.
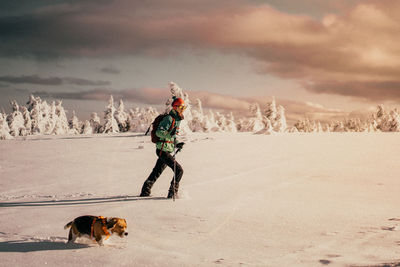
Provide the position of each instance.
(47, 122)
(27, 120)
(271, 112)
(255, 122)
(268, 129)
(214, 127)
(221, 121)
(16, 121)
(198, 122)
(293, 129)
(395, 121)
(176, 91)
(280, 120)
(87, 128)
(110, 125)
(33, 101)
(51, 119)
(61, 125)
(306, 126)
(75, 126)
(95, 123)
(319, 128)
(230, 123)
(38, 123)
(271, 120)
(4, 129)
(140, 119)
(122, 117)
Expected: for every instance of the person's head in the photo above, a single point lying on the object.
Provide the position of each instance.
(179, 105)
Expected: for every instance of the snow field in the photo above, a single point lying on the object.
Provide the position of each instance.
(246, 200)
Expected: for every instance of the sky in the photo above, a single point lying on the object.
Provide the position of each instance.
(322, 59)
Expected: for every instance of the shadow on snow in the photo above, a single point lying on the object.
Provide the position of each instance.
(20, 246)
(77, 137)
(69, 202)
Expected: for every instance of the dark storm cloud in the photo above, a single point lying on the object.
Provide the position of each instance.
(35, 79)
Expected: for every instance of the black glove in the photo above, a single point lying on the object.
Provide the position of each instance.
(179, 146)
(173, 132)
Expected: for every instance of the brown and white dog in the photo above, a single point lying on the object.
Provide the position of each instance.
(96, 227)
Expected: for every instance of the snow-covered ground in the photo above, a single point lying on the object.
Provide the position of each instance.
(245, 200)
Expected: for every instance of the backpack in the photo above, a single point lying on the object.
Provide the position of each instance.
(155, 124)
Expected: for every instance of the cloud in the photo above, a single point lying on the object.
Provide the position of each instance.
(35, 79)
(356, 47)
(154, 96)
(149, 96)
(110, 70)
(377, 90)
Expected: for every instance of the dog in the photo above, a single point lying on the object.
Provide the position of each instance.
(96, 227)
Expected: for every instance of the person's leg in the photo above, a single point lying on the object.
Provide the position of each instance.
(148, 184)
(169, 160)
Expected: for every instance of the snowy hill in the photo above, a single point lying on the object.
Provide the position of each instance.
(246, 200)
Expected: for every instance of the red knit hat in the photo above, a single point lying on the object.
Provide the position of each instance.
(178, 102)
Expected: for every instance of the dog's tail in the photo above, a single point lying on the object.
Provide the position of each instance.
(68, 225)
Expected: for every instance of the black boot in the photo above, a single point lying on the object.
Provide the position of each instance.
(173, 191)
(146, 189)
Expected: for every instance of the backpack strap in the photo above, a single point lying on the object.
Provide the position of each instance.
(172, 125)
(169, 130)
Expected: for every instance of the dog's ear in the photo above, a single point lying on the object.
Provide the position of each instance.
(111, 223)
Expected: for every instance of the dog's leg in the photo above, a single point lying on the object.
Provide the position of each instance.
(71, 236)
(99, 239)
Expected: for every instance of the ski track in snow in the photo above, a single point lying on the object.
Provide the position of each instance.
(52, 197)
(230, 177)
(38, 200)
(89, 198)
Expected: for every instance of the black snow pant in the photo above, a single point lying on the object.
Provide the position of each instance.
(164, 159)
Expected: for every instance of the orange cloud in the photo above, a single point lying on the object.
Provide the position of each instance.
(353, 52)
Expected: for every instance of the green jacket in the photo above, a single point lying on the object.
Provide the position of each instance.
(167, 141)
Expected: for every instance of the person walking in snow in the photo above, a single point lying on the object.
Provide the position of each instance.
(166, 132)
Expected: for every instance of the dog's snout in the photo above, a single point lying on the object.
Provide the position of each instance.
(125, 233)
